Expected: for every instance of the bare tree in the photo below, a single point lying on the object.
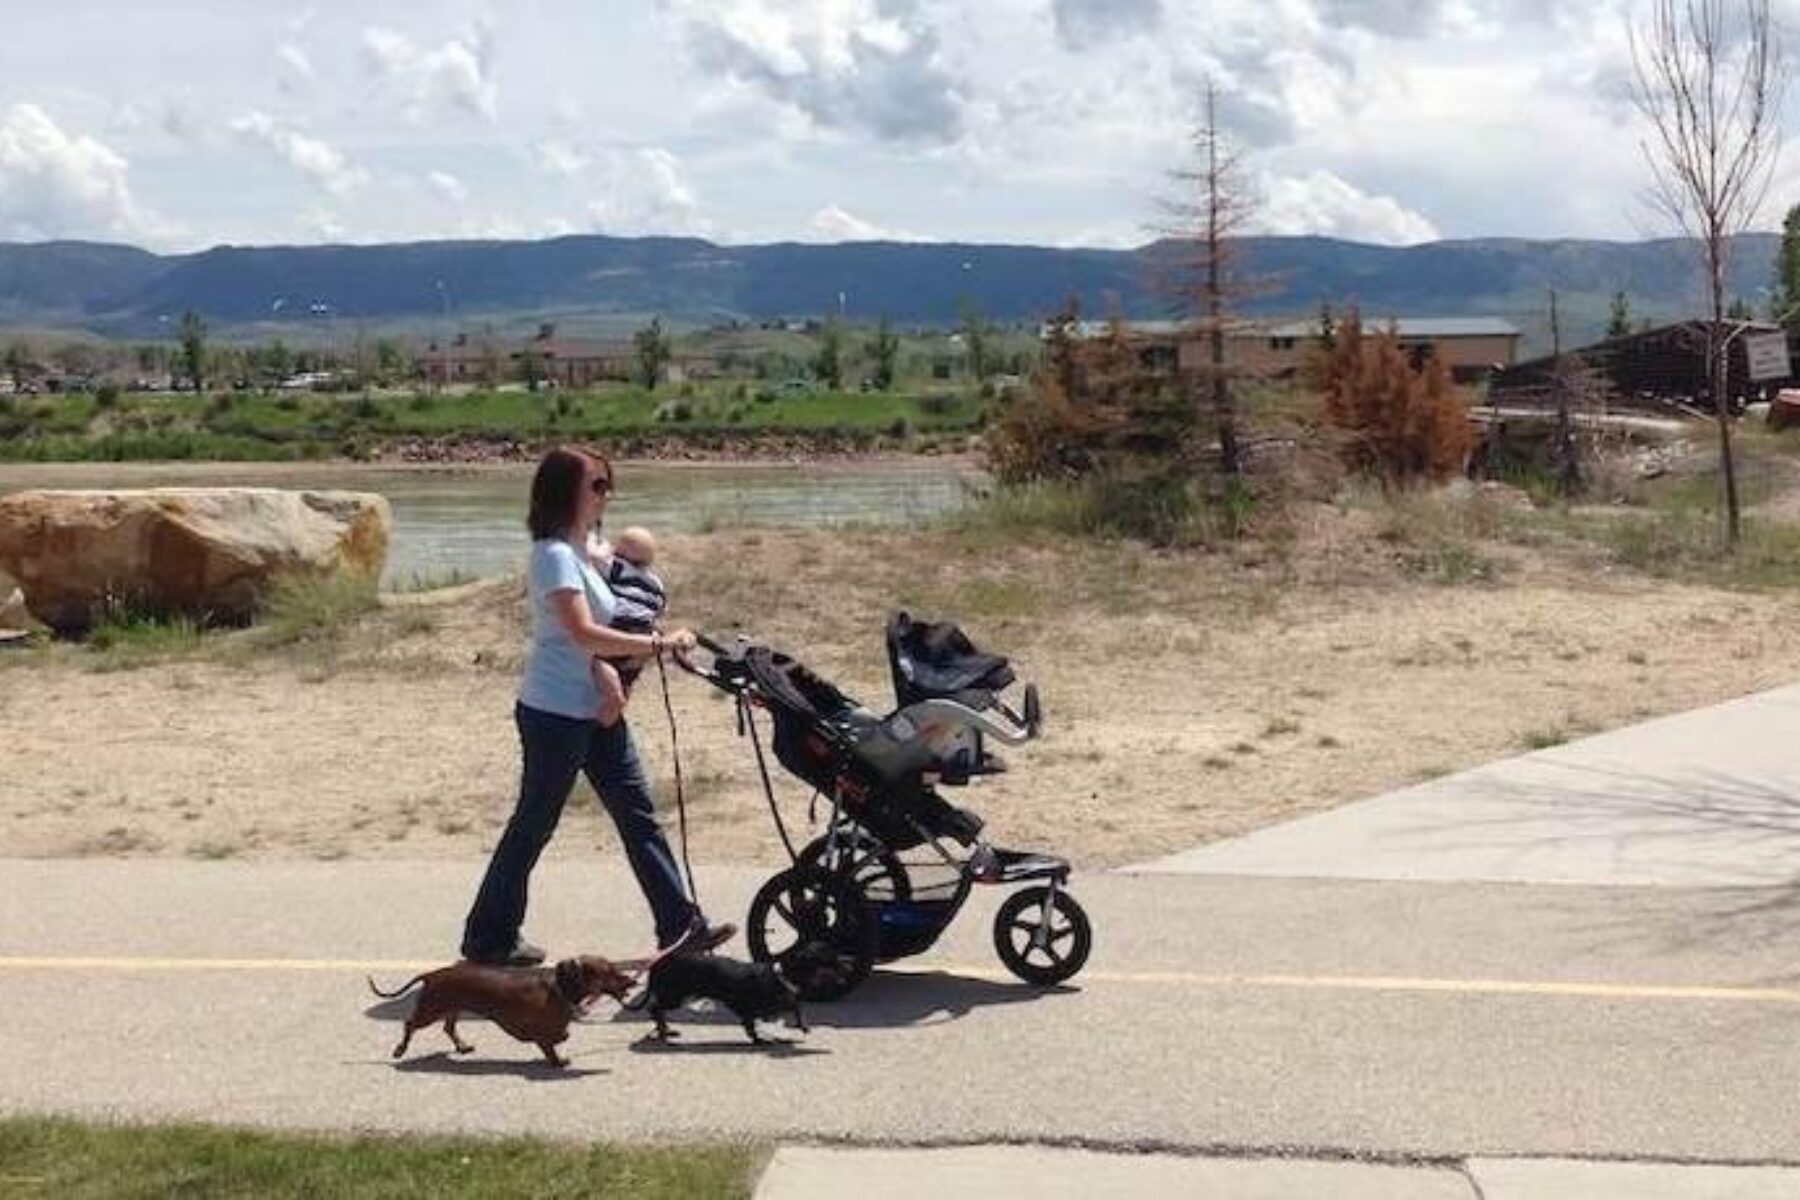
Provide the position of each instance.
(1709, 80)
(1215, 202)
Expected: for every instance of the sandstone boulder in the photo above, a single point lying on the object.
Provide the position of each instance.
(1784, 410)
(208, 553)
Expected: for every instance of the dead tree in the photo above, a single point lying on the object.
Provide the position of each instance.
(1710, 88)
(1213, 205)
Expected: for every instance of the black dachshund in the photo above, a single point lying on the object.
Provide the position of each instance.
(752, 991)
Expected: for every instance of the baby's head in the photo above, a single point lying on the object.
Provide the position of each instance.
(635, 545)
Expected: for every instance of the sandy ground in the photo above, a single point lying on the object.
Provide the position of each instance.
(1188, 699)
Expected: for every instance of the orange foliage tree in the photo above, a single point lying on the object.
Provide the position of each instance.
(1399, 422)
(1094, 410)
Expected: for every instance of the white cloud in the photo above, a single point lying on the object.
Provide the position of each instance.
(871, 66)
(556, 157)
(180, 120)
(1321, 203)
(1082, 23)
(54, 183)
(313, 157)
(447, 186)
(642, 191)
(457, 74)
(296, 67)
(834, 224)
(323, 225)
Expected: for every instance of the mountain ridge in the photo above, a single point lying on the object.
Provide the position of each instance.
(127, 291)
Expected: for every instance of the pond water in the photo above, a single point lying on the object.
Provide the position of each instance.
(470, 520)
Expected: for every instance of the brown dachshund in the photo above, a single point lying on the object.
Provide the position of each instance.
(533, 1005)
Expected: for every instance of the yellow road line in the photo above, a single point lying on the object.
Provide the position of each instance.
(1386, 983)
(215, 964)
(1570, 989)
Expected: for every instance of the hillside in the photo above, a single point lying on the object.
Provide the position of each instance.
(122, 290)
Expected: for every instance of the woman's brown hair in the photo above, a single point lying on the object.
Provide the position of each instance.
(556, 489)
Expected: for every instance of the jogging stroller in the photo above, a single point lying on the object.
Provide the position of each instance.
(896, 860)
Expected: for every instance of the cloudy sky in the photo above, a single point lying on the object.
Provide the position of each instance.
(186, 123)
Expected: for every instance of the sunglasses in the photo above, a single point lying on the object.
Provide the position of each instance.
(602, 486)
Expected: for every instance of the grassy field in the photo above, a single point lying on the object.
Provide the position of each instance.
(71, 1159)
(251, 426)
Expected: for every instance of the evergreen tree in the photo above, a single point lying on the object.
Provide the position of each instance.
(828, 363)
(884, 349)
(1787, 271)
(653, 353)
(1618, 324)
(193, 349)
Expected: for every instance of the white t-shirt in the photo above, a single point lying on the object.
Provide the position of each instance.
(559, 674)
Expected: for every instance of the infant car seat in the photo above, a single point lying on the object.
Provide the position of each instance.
(937, 661)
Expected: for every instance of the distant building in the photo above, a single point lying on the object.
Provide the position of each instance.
(1472, 347)
(555, 360)
(1653, 369)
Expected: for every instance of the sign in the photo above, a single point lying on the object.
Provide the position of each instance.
(1768, 356)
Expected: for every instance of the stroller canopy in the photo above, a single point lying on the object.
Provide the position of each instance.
(936, 660)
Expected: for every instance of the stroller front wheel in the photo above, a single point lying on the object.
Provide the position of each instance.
(1042, 936)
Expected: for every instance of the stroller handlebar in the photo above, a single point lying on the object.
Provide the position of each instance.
(960, 716)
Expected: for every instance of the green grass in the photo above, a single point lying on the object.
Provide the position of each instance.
(316, 608)
(134, 633)
(1164, 512)
(72, 1160)
(252, 426)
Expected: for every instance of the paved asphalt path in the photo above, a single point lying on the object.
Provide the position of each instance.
(1400, 1020)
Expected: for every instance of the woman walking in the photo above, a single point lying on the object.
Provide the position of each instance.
(558, 734)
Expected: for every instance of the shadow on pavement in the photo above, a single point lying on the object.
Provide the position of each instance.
(889, 1000)
(892, 999)
(445, 1063)
(768, 1048)
(1697, 819)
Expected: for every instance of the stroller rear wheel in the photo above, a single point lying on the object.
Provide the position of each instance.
(816, 929)
(865, 860)
(1043, 937)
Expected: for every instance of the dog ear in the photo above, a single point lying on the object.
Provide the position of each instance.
(570, 978)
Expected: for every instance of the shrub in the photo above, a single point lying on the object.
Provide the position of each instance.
(106, 396)
(1398, 422)
(309, 607)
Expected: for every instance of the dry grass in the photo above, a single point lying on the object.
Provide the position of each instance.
(1189, 695)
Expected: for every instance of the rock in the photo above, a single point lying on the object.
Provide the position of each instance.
(208, 553)
(13, 612)
(1784, 410)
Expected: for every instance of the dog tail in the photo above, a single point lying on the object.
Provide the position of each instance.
(397, 992)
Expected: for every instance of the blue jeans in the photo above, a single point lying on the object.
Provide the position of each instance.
(555, 749)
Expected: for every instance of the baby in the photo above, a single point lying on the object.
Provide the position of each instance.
(641, 597)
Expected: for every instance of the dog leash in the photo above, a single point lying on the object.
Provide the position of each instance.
(680, 792)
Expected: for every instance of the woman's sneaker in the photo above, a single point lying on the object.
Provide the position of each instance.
(522, 954)
(701, 937)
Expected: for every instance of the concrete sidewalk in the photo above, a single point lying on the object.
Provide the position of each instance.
(1044, 1173)
(1704, 799)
